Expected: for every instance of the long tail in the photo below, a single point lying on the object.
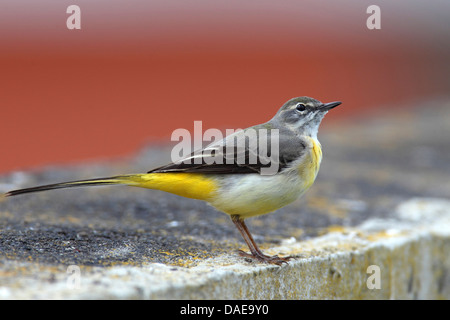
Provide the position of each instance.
(189, 185)
(125, 179)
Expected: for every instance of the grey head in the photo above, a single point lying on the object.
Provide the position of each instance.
(302, 115)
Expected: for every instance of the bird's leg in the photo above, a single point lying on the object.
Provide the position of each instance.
(255, 252)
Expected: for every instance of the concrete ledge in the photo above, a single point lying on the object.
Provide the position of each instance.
(377, 216)
(409, 254)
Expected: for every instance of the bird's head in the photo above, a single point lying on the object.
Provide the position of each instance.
(303, 114)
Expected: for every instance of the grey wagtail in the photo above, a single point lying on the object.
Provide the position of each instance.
(239, 189)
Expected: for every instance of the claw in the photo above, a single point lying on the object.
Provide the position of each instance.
(266, 259)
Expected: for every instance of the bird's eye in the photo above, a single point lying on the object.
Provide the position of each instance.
(301, 107)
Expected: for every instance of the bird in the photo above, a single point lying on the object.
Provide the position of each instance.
(251, 172)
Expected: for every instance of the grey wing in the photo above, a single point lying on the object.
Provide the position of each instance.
(245, 151)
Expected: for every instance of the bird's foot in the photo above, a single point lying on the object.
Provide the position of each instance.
(264, 258)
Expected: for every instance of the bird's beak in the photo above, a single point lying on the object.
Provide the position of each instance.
(330, 105)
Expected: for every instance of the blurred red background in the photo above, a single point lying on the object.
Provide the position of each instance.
(137, 70)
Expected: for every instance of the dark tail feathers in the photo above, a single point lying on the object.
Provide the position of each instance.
(70, 184)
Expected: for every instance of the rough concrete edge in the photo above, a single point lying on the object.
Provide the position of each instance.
(408, 250)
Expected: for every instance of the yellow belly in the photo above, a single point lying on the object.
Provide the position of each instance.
(309, 168)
